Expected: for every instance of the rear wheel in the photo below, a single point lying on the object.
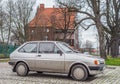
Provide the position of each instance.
(79, 73)
(21, 69)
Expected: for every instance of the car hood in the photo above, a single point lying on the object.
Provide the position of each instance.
(91, 56)
(84, 57)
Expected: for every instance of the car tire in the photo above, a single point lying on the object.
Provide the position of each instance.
(79, 73)
(69, 75)
(21, 69)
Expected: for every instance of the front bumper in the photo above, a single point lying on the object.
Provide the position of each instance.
(97, 69)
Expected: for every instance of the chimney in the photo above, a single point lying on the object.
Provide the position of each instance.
(41, 7)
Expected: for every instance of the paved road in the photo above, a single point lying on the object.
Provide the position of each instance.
(111, 76)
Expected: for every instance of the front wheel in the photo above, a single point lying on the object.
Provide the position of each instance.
(21, 69)
(79, 73)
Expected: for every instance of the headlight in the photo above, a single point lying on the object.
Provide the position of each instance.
(96, 62)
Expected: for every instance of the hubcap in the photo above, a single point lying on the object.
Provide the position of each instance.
(78, 73)
(21, 69)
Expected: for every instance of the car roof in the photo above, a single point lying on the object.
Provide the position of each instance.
(42, 41)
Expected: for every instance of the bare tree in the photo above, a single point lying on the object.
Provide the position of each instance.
(90, 11)
(19, 16)
(2, 24)
(105, 15)
(9, 20)
(112, 15)
(64, 21)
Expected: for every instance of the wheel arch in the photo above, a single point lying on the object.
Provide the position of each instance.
(78, 64)
(14, 69)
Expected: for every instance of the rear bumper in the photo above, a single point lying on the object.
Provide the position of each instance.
(11, 63)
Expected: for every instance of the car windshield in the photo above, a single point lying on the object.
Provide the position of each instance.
(65, 47)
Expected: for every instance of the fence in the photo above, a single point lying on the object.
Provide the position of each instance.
(7, 49)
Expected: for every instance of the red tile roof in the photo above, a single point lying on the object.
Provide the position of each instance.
(49, 17)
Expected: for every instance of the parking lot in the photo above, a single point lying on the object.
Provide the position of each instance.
(110, 76)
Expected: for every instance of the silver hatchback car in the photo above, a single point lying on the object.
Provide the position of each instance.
(54, 56)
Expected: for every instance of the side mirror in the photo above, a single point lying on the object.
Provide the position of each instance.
(60, 52)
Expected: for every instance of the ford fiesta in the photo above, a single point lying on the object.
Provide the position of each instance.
(54, 56)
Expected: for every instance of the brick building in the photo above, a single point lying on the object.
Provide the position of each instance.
(52, 24)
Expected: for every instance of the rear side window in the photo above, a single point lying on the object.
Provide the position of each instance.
(47, 47)
(29, 48)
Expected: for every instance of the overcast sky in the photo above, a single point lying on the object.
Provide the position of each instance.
(48, 3)
(89, 34)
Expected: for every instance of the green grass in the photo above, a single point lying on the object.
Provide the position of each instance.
(2, 56)
(113, 61)
(4, 60)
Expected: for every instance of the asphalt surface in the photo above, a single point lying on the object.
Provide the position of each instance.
(110, 76)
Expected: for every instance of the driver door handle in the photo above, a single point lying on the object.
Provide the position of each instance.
(38, 55)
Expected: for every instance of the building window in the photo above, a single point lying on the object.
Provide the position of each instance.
(47, 30)
(32, 31)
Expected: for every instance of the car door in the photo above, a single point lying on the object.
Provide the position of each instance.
(48, 58)
(28, 53)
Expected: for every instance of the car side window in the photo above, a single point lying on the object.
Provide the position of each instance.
(29, 48)
(47, 48)
(56, 49)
